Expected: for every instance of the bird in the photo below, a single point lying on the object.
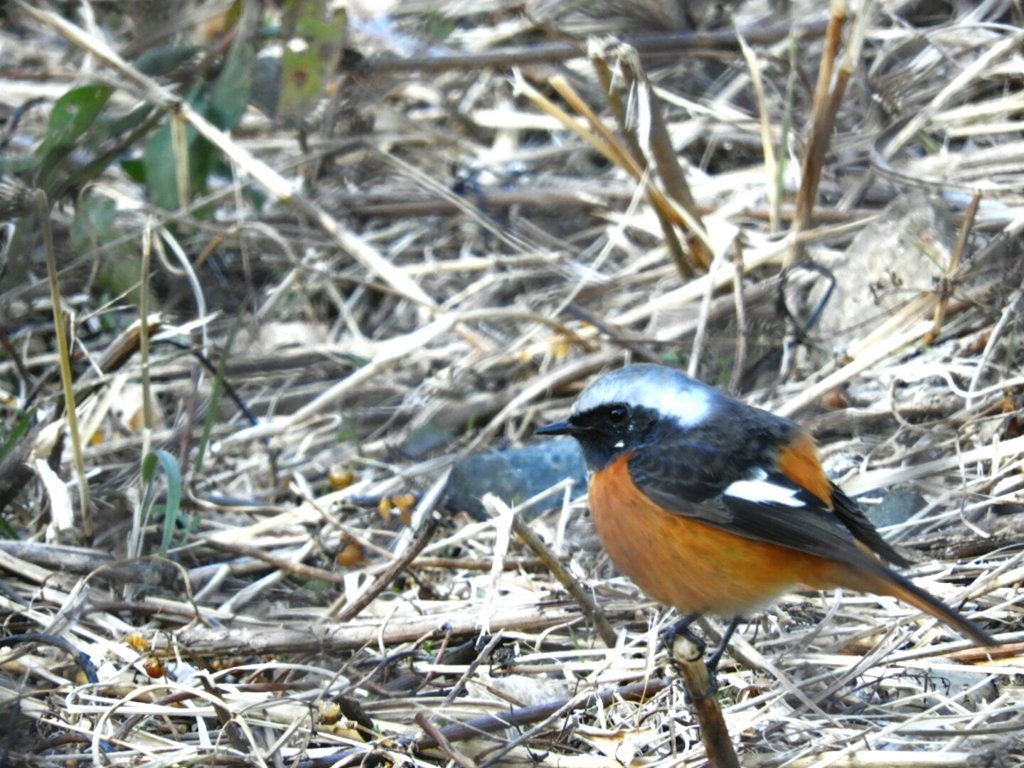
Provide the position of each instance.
(714, 506)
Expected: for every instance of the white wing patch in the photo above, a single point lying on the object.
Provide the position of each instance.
(760, 490)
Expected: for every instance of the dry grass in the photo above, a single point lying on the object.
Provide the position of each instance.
(388, 305)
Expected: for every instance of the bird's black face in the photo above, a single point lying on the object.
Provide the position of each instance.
(607, 431)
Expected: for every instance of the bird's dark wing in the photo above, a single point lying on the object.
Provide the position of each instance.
(852, 516)
(696, 480)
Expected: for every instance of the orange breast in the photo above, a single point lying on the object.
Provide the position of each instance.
(684, 563)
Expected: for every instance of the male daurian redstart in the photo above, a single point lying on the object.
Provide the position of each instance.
(714, 506)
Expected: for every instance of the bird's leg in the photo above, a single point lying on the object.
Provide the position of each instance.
(712, 662)
(682, 656)
(682, 629)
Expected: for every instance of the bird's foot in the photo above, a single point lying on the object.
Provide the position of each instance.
(686, 650)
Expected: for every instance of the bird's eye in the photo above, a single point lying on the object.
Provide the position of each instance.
(617, 414)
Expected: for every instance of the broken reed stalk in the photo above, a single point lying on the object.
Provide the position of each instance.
(648, 45)
(650, 145)
(954, 267)
(350, 610)
(701, 688)
(823, 114)
(42, 206)
(578, 591)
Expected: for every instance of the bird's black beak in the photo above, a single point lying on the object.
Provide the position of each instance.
(558, 428)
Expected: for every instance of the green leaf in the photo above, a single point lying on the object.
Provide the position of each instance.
(314, 39)
(173, 504)
(230, 94)
(106, 140)
(163, 60)
(19, 431)
(6, 531)
(158, 162)
(72, 115)
(215, 394)
(266, 84)
(95, 225)
(135, 169)
(20, 165)
(118, 128)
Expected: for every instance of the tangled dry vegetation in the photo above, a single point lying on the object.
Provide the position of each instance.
(484, 212)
